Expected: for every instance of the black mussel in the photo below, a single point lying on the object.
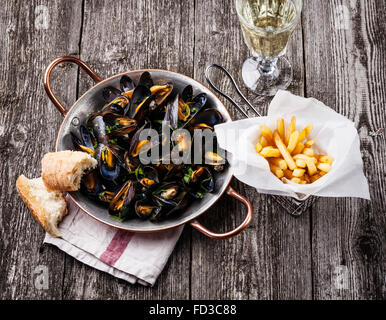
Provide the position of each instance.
(110, 93)
(146, 80)
(126, 83)
(171, 114)
(144, 209)
(137, 146)
(195, 106)
(147, 176)
(91, 183)
(161, 92)
(99, 129)
(86, 141)
(106, 196)
(199, 181)
(140, 95)
(108, 164)
(121, 205)
(131, 163)
(117, 105)
(213, 159)
(187, 94)
(183, 111)
(118, 125)
(206, 119)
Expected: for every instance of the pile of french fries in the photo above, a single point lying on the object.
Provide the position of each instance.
(290, 154)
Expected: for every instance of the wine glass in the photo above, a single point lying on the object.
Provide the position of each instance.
(267, 26)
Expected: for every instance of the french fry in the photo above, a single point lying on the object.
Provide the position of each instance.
(324, 167)
(314, 177)
(326, 159)
(296, 180)
(283, 150)
(290, 130)
(277, 171)
(309, 143)
(298, 172)
(308, 152)
(266, 132)
(258, 147)
(293, 141)
(279, 162)
(300, 163)
(311, 168)
(288, 174)
(280, 128)
(263, 141)
(305, 132)
(304, 157)
(298, 149)
(270, 152)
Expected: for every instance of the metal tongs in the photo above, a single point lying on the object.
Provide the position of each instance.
(293, 206)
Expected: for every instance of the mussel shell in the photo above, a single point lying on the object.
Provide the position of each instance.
(187, 93)
(109, 172)
(161, 92)
(121, 205)
(209, 117)
(121, 125)
(171, 114)
(147, 176)
(99, 129)
(196, 105)
(144, 209)
(146, 80)
(139, 95)
(110, 93)
(126, 83)
(91, 184)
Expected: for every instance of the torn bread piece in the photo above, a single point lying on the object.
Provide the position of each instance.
(48, 207)
(63, 170)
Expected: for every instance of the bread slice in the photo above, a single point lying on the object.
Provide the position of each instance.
(47, 207)
(63, 170)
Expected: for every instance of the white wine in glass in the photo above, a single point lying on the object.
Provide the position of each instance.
(267, 26)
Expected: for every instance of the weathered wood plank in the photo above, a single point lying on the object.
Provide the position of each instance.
(121, 36)
(346, 70)
(271, 259)
(28, 128)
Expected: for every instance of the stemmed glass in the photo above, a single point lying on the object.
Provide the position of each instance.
(267, 26)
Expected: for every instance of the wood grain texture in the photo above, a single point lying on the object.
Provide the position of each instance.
(26, 113)
(337, 60)
(347, 72)
(271, 259)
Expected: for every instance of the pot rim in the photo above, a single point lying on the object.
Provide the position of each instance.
(189, 219)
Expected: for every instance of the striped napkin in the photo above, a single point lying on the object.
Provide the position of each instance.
(134, 257)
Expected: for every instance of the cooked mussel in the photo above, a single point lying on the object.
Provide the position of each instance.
(85, 142)
(187, 94)
(110, 93)
(119, 125)
(161, 92)
(206, 119)
(146, 80)
(121, 205)
(106, 196)
(108, 164)
(144, 209)
(91, 183)
(126, 83)
(147, 176)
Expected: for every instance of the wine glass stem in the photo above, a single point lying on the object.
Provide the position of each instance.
(267, 66)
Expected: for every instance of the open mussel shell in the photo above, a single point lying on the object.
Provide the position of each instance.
(161, 92)
(139, 101)
(195, 106)
(206, 119)
(85, 142)
(122, 204)
(107, 162)
(110, 93)
(106, 196)
(146, 80)
(126, 84)
(187, 93)
(145, 209)
(147, 176)
(119, 125)
(91, 184)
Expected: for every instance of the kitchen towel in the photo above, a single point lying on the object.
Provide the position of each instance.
(134, 257)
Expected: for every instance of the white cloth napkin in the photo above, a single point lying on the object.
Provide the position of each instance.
(334, 135)
(134, 257)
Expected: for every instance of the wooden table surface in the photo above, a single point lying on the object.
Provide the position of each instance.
(335, 250)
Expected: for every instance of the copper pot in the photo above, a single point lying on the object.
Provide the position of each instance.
(90, 101)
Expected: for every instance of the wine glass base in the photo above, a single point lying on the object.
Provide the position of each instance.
(267, 84)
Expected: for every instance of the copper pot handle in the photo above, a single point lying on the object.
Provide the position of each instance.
(195, 224)
(47, 76)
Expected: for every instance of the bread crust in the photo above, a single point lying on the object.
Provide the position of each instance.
(36, 209)
(58, 167)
